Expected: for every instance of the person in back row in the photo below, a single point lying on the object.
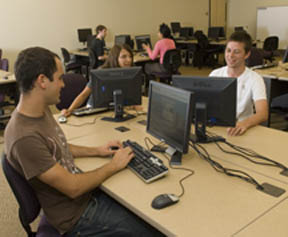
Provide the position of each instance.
(119, 56)
(97, 45)
(251, 91)
(164, 43)
(37, 149)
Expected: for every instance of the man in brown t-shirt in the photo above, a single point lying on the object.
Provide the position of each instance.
(37, 148)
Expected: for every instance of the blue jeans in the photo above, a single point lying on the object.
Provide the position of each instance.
(105, 217)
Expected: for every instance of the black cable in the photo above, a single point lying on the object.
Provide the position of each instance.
(82, 124)
(172, 167)
(246, 153)
(219, 168)
(192, 172)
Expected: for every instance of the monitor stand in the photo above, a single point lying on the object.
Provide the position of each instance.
(200, 135)
(118, 109)
(176, 156)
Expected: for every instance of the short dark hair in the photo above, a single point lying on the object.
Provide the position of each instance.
(112, 60)
(32, 62)
(100, 28)
(242, 37)
(165, 30)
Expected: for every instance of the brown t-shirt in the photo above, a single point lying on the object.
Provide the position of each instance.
(34, 145)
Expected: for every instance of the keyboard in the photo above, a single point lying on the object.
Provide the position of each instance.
(145, 165)
(88, 111)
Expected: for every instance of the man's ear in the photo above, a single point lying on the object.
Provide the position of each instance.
(41, 81)
(247, 55)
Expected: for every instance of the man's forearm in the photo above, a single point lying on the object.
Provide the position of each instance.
(83, 151)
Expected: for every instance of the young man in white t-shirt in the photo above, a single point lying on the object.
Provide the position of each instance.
(251, 91)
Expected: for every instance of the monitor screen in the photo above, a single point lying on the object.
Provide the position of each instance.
(124, 39)
(186, 32)
(216, 32)
(169, 117)
(117, 87)
(175, 27)
(140, 39)
(83, 34)
(215, 100)
(238, 28)
(285, 57)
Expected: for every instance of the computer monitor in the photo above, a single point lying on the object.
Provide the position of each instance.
(216, 32)
(124, 39)
(140, 39)
(215, 102)
(117, 87)
(186, 32)
(239, 28)
(169, 118)
(175, 27)
(285, 57)
(83, 35)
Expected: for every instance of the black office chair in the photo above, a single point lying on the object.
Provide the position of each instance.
(255, 58)
(206, 54)
(198, 33)
(269, 47)
(29, 206)
(74, 84)
(171, 62)
(70, 65)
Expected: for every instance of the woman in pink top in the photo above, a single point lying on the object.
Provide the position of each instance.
(164, 43)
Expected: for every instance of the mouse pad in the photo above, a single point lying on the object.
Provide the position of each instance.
(122, 129)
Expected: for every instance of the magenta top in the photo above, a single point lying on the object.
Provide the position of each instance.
(160, 48)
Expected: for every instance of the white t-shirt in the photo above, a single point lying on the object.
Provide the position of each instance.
(250, 88)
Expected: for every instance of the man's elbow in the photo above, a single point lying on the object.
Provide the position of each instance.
(74, 192)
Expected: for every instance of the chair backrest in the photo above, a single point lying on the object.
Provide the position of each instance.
(255, 58)
(203, 42)
(29, 206)
(198, 33)
(4, 64)
(74, 84)
(66, 55)
(172, 60)
(92, 59)
(271, 43)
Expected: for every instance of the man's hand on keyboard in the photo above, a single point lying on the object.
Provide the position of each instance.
(122, 157)
(66, 112)
(106, 149)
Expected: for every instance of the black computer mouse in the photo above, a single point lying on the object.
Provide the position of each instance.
(114, 148)
(164, 200)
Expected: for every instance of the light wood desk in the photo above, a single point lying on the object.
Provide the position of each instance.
(6, 77)
(138, 58)
(194, 41)
(213, 204)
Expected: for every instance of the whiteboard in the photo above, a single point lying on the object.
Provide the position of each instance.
(273, 21)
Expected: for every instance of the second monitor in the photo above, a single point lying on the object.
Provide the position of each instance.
(117, 87)
(216, 100)
(142, 39)
(84, 34)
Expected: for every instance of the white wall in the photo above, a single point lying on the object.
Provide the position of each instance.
(244, 13)
(53, 24)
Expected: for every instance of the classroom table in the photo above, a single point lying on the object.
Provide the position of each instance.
(7, 85)
(213, 204)
(138, 57)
